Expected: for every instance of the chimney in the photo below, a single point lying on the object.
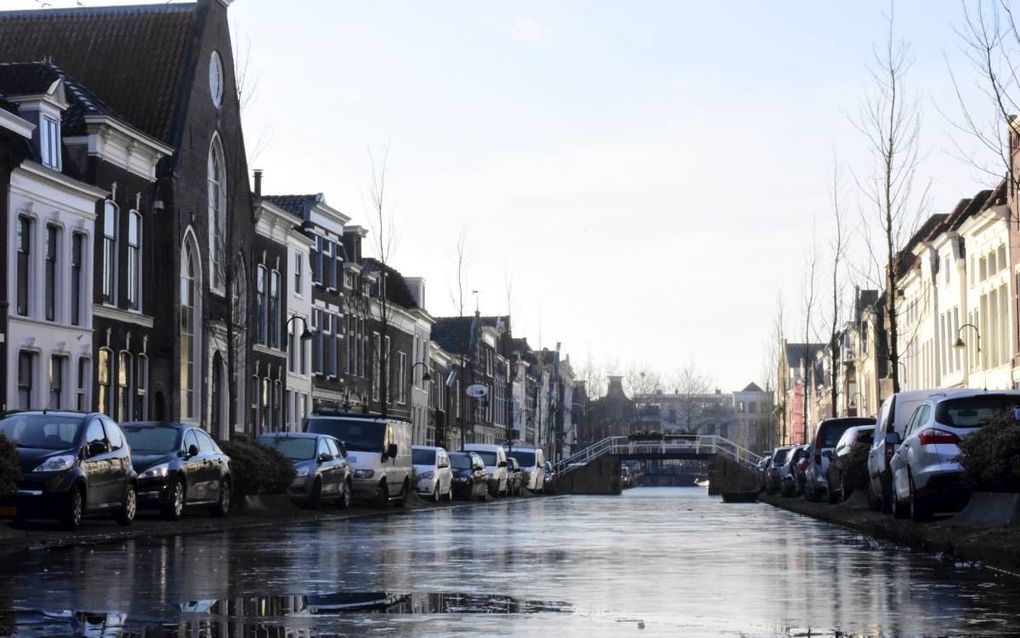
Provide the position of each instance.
(258, 182)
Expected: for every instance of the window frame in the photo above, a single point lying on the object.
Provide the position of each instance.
(111, 217)
(134, 260)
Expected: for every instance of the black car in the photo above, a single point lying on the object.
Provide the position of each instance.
(72, 464)
(178, 465)
(853, 439)
(515, 477)
(469, 478)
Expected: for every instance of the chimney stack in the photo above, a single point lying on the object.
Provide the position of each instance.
(258, 182)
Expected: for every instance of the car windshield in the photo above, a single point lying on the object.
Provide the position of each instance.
(42, 431)
(357, 434)
(524, 457)
(488, 457)
(293, 448)
(975, 412)
(831, 431)
(152, 439)
(460, 461)
(780, 457)
(423, 457)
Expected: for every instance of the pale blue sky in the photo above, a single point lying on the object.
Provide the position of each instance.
(647, 171)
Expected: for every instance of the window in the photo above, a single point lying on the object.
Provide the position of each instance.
(113, 434)
(110, 253)
(141, 403)
(94, 433)
(217, 212)
(77, 245)
(188, 339)
(298, 273)
(334, 322)
(401, 378)
(82, 388)
(376, 348)
(49, 142)
(124, 370)
(134, 272)
(104, 374)
(52, 247)
(26, 372)
(317, 261)
(329, 271)
(304, 351)
(273, 319)
(387, 368)
(56, 382)
(260, 303)
(24, 263)
(318, 343)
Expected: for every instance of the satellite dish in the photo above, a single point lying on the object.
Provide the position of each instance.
(476, 391)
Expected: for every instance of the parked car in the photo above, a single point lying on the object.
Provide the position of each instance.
(469, 478)
(495, 465)
(926, 475)
(789, 485)
(892, 417)
(626, 479)
(178, 465)
(827, 433)
(835, 469)
(773, 482)
(764, 465)
(321, 472)
(514, 477)
(378, 452)
(549, 478)
(432, 474)
(72, 464)
(532, 460)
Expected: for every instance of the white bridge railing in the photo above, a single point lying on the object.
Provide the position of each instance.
(693, 444)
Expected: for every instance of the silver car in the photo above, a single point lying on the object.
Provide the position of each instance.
(321, 471)
(925, 471)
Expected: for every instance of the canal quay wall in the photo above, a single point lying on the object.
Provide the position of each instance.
(997, 547)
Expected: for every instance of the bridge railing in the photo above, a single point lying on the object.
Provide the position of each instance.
(699, 444)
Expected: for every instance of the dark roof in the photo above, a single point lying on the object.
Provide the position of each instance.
(453, 334)
(796, 351)
(906, 256)
(752, 387)
(864, 299)
(135, 57)
(396, 287)
(300, 205)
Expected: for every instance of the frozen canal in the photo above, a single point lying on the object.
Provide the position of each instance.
(667, 561)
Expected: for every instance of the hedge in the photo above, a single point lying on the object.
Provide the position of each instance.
(991, 456)
(855, 474)
(9, 470)
(256, 468)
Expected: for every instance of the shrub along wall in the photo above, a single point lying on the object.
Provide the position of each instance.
(257, 469)
(991, 456)
(9, 472)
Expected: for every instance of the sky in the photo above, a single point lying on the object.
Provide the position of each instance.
(645, 177)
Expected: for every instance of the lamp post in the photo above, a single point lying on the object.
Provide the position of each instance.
(961, 344)
(425, 376)
(306, 334)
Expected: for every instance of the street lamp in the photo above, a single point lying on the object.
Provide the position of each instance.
(960, 343)
(306, 334)
(424, 377)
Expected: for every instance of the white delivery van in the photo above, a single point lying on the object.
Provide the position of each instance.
(532, 460)
(495, 465)
(378, 452)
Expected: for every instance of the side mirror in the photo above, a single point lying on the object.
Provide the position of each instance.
(391, 450)
(502, 464)
(324, 458)
(192, 450)
(96, 448)
(892, 438)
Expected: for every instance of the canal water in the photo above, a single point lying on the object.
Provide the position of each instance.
(654, 561)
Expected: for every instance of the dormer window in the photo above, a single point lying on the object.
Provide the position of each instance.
(49, 142)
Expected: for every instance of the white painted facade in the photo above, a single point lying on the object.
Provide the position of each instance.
(298, 396)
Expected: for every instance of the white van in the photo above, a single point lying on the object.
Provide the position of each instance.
(532, 460)
(495, 465)
(378, 452)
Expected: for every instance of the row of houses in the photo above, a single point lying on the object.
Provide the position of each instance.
(957, 282)
(149, 276)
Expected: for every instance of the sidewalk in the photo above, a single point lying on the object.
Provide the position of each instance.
(996, 547)
(38, 535)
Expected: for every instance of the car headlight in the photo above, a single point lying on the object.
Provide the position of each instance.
(156, 471)
(364, 474)
(56, 464)
(425, 475)
(301, 472)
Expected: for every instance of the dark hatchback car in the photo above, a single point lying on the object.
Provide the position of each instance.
(515, 477)
(321, 471)
(855, 439)
(178, 465)
(469, 478)
(72, 464)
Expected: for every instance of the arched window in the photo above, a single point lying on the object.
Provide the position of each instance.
(189, 332)
(217, 221)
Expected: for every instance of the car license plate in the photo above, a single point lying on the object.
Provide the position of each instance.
(8, 511)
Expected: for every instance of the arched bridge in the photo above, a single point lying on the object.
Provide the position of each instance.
(596, 468)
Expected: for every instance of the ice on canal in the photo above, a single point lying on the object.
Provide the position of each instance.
(654, 561)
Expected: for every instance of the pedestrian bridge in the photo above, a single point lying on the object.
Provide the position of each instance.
(668, 446)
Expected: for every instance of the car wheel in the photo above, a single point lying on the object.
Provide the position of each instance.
(129, 506)
(919, 510)
(382, 495)
(222, 506)
(874, 504)
(75, 508)
(345, 496)
(405, 489)
(844, 490)
(174, 506)
(315, 495)
(435, 494)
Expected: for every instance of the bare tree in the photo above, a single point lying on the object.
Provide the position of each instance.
(380, 218)
(594, 377)
(641, 380)
(459, 286)
(838, 247)
(889, 121)
(690, 386)
(809, 298)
